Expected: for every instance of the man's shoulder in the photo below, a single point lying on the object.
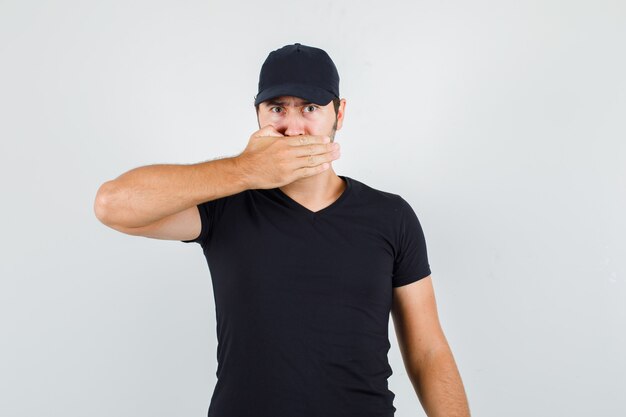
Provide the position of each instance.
(377, 195)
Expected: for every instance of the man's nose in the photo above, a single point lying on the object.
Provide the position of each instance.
(294, 125)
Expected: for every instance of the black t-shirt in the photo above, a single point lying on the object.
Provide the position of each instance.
(303, 299)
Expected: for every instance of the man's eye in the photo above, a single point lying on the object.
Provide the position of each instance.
(272, 109)
(313, 108)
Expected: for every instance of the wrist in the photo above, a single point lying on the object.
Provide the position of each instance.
(240, 172)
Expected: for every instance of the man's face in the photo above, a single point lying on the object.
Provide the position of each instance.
(292, 116)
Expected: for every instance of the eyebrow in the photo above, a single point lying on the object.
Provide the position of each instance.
(282, 103)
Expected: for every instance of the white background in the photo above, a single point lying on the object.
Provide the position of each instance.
(501, 122)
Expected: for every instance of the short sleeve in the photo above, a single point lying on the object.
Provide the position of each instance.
(207, 217)
(411, 259)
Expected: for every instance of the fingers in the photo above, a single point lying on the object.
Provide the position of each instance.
(312, 151)
(310, 171)
(307, 140)
(315, 149)
(312, 160)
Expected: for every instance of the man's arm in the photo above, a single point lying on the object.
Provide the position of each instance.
(145, 195)
(159, 200)
(425, 351)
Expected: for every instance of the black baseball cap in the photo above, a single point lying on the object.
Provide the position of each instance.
(301, 71)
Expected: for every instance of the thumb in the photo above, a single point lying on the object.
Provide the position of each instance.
(269, 130)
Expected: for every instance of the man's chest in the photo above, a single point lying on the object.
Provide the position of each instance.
(331, 255)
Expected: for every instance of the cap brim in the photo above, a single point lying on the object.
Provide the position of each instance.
(313, 94)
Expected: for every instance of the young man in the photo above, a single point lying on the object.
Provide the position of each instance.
(306, 265)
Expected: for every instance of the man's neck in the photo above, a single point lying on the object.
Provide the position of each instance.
(317, 191)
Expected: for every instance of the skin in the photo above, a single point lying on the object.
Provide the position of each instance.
(293, 116)
(425, 351)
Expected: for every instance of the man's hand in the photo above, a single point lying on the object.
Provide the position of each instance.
(272, 160)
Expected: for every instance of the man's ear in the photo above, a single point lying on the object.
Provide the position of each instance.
(341, 113)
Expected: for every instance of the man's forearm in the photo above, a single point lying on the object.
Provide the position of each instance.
(438, 385)
(146, 194)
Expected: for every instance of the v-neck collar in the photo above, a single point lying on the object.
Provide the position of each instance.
(297, 206)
